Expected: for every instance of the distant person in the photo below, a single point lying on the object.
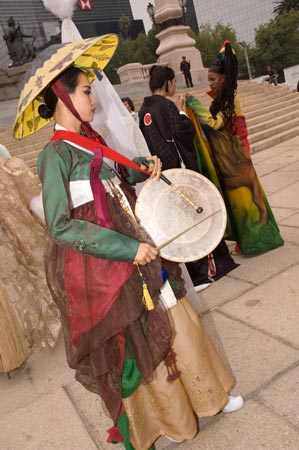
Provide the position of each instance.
(129, 104)
(185, 69)
(271, 76)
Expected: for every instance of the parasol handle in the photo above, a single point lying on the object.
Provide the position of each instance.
(198, 209)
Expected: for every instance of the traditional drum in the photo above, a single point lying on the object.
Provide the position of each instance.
(185, 216)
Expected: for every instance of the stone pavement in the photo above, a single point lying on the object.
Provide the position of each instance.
(253, 317)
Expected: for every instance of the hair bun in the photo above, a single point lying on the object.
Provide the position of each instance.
(44, 111)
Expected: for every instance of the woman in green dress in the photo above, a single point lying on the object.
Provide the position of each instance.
(224, 156)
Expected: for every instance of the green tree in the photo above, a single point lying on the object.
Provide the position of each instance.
(142, 50)
(124, 24)
(209, 41)
(124, 54)
(285, 6)
(277, 43)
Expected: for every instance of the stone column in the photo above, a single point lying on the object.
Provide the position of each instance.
(175, 42)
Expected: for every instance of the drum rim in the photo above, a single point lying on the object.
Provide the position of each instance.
(218, 196)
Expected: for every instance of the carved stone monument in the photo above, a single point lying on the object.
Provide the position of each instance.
(19, 49)
(175, 42)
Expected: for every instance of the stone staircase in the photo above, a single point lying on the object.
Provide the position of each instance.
(272, 114)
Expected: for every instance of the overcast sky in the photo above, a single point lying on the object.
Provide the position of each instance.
(139, 12)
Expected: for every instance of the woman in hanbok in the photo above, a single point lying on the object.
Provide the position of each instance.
(105, 276)
(224, 155)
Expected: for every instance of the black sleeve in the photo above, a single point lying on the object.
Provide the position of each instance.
(181, 127)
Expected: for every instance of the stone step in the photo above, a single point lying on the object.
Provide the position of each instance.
(274, 140)
(261, 126)
(275, 104)
(260, 111)
(266, 97)
(257, 119)
(273, 131)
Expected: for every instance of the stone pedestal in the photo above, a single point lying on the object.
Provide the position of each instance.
(175, 42)
(11, 82)
(130, 73)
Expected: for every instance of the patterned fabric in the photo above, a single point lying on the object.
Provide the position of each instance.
(225, 159)
(22, 238)
(160, 407)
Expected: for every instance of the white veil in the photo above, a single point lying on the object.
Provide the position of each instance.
(112, 120)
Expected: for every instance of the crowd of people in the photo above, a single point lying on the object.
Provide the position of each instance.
(151, 361)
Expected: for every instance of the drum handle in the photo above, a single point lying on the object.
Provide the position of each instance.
(198, 209)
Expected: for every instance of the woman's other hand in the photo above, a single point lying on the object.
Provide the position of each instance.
(154, 166)
(145, 254)
(180, 102)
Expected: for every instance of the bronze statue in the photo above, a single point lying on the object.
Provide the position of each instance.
(19, 50)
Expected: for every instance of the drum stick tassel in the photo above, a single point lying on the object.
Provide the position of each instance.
(146, 299)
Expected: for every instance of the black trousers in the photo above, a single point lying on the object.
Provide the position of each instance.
(188, 79)
(198, 270)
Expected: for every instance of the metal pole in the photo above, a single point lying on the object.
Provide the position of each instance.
(247, 63)
(243, 45)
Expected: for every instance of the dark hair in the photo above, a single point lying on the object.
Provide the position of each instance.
(159, 76)
(224, 101)
(129, 101)
(69, 79)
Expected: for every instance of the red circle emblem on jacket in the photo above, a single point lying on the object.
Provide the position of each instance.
(147, 120)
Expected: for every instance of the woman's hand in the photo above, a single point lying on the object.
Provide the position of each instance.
(180, 102)
(154, 166)
(145, 254)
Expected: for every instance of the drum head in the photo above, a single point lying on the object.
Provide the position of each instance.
(163, 213)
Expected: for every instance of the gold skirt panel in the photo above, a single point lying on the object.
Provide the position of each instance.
(159, 407)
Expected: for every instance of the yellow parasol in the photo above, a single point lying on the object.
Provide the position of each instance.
(91, 53)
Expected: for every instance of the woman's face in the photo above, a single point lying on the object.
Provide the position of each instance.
(171, 87)
(83, 100)
(126, 103)
(215, 82)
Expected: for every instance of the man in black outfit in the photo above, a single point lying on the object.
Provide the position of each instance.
(185, 69)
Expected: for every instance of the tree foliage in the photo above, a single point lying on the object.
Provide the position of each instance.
(209, 41)
(285, 6)
(277, 43)
(124, 24)
(141, 50)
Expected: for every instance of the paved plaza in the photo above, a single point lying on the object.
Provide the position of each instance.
(252, 315)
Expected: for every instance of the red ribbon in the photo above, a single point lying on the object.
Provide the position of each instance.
(91, 144)
(99, 150)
